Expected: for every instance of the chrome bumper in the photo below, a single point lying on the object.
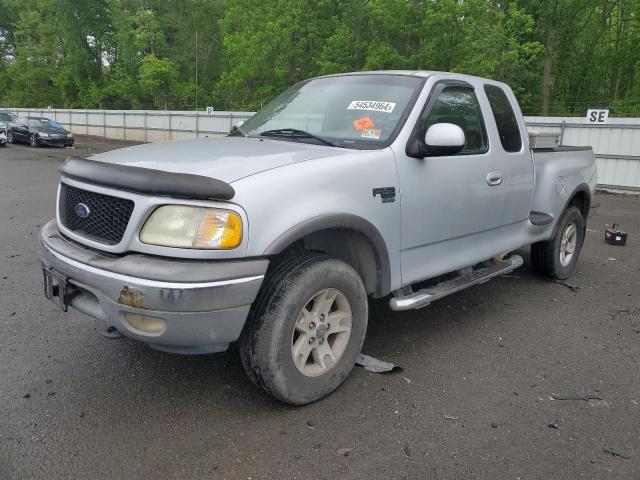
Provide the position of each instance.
(203, 304)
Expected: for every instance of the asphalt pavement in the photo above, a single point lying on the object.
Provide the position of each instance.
(519, 378)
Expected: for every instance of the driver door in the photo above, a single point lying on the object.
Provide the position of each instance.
(17, 129)
(451, 213)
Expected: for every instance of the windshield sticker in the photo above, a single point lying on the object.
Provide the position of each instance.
(372, 133)
(372, 105)
(363, 123)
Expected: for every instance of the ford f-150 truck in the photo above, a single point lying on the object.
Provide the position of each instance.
(407, 184)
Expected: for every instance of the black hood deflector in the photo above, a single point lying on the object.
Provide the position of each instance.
(146, 180)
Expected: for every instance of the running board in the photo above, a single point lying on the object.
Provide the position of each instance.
(424, 297)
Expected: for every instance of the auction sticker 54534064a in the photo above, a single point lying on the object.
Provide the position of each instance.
(372, 105)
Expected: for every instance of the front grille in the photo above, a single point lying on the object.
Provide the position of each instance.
(107, 217)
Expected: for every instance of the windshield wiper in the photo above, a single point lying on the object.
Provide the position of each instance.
(236, 131)
(296, 133)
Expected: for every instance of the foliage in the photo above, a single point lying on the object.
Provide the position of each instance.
(560, 56)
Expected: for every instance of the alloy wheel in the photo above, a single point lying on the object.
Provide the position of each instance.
(568, 244)
(321, 332)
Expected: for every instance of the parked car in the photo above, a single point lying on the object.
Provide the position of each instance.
(39, 131)
(412, 185)
(5, 119)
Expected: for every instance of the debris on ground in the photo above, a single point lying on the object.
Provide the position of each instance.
(344, 452)
(573, 288)
(586, 398)
(26, 395)
(374, 365)
(615, 236)
(613, 453)
(451, 417)
(555, 425)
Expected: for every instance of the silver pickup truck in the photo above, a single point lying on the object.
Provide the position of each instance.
(407, 184)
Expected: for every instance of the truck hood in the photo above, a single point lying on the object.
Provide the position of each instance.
(227, 159)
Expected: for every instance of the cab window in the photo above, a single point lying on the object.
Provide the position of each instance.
(459, 105)
(505, 118)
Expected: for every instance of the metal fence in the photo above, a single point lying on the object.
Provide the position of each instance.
(616, 144)
(142, 125)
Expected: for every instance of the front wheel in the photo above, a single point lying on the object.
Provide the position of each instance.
(557, 257)
(33, 141)
(10, 138)
(305, 329)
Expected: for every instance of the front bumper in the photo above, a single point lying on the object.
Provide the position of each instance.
(67, 142)
(203, 303)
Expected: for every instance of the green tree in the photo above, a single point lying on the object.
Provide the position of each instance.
(157, 78)
(560, 56)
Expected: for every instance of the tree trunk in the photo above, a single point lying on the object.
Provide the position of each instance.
(547, 71)
(546, 74)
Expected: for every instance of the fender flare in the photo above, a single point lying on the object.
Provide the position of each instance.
(347, 222)
(584, 188)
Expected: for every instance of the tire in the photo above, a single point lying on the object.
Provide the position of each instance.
(277, 326)
(10, 138)
(33, 141)
(547, 257)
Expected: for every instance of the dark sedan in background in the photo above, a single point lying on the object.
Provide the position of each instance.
(39, 131)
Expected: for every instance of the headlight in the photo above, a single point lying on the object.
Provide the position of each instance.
(69, 135)
(183, 226)
(42, 134)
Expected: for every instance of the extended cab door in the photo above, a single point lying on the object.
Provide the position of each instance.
(452, 206)
(506, 123)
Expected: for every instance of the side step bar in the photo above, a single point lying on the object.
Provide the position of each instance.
(424, 297)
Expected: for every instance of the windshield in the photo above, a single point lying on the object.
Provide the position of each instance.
(352, 111)
(43, 122)
(6, 117)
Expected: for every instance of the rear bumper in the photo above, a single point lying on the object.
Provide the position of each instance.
(203, 304)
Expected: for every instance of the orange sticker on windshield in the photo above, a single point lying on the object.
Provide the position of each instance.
(362, 124)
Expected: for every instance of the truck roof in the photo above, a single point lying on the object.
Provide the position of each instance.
(410, 73)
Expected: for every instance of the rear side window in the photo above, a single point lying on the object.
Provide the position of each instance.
(505, 118)
(459, 105)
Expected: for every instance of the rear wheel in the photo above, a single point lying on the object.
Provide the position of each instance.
(33, 140)
(306, 328)
(557, 257)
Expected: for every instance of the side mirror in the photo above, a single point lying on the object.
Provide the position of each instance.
(444, 139)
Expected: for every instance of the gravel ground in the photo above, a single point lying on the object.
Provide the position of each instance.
(475, 398)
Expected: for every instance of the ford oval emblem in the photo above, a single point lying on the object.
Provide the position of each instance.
(82, 210)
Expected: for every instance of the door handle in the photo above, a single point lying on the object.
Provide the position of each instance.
(494, 178)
